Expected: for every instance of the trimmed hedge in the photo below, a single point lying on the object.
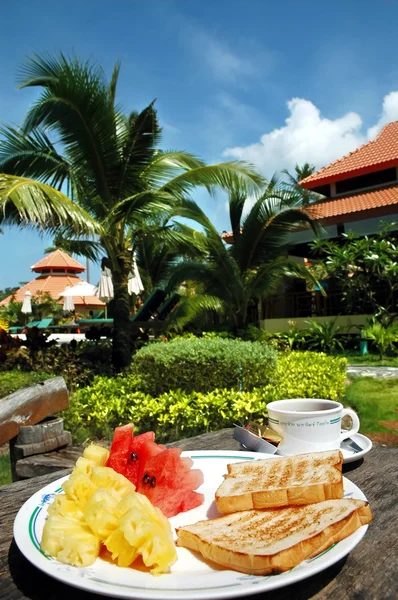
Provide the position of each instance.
(201, 365)
(96, 410)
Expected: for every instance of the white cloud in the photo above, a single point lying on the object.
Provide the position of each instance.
(389, 113)
(310, 137)
(224, 63)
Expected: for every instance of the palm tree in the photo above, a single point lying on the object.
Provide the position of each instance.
(252, 268)
(293, 183)
(75, 137)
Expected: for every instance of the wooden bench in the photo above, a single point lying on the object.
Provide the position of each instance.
(37, 440)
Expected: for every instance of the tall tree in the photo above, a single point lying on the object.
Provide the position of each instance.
(293, 183)
(228, 278)
(76, 137)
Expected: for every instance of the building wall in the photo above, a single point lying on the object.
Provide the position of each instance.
(346, 321)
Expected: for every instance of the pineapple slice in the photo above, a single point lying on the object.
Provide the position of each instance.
(120, 549)
(79, 488)
(100, 505)
(115, 483)
(146, 531)
(84, 465)
(93, 456)
(99, 513)
(65, 507)
(69, 541)
(96, 454)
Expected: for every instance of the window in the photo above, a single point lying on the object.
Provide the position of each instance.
(365, 181)
(324, 190)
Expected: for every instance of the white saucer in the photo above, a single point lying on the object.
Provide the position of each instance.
(348, 454)
(352, 455)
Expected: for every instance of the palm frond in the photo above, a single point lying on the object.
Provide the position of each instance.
(167, 164)
(113, 83)
(188, 209)
(140, 137)
(81, 247)
(191, 308)
(32, 155)
(227, 176)
(237, 200)
(134, 208)
(25, 202)
(75, 104)
(265, 230)
(267, 280)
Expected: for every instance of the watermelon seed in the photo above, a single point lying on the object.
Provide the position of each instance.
(146, 478)
(153, 481)
(133, 456)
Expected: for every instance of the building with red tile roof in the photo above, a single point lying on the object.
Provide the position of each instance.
(360, 193)
(56, 271)
(361, 185)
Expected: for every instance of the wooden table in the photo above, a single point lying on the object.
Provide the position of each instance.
(370, 572)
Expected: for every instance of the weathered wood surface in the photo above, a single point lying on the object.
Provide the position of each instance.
(48, 429)
(50, 462)
(368, 573)
(31, 405)
(47, 445)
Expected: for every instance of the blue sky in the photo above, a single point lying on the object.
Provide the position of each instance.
(274, 83)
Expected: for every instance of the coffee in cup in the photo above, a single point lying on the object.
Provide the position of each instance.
(309, 424)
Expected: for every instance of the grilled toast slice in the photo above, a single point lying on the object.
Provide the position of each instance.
(271, 541)
(285, 481)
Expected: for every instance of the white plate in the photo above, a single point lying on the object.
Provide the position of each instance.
(362, 441)
(191, 578)
(352, 455)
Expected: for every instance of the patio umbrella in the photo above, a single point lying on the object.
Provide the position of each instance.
(134, 281)
(105, 288)
(81, 289)
(27, 304)
(68, 302)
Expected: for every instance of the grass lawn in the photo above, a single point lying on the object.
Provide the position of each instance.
(5, 471)
(370, 360)
(11, 381)
(376, 402)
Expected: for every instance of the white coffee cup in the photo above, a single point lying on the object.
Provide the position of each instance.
(309, 424)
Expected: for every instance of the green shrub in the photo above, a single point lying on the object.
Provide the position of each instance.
(202, 365)
(77, 363)
(96, 410)
(309, 375)
(12, 381)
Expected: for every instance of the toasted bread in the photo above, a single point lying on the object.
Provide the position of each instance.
(287, 481)
(270, 541)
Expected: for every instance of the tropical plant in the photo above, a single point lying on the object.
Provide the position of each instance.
(8, 291)
(293, 337)
(253, 267)
(383, 337)
(76, 137)
(323, 336)
(293, 182)
(365, 270)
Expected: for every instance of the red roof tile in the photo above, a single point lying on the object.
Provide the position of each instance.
(58, 260)
(54, 285)
(367, 201)
(382, 152)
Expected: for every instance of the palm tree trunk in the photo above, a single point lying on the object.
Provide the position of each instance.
(121, 339)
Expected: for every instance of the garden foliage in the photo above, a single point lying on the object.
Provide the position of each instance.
(201, 365)
(94, 411)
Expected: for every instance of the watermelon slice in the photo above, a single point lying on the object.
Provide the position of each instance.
(142, 448)
(120, 448)
(169, 483)
(159, 473)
